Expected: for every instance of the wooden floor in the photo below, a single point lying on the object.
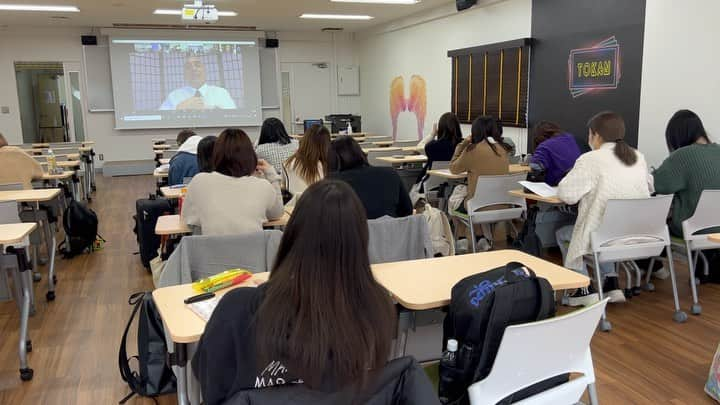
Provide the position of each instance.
(646, 359)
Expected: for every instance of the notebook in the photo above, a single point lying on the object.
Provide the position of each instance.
(204, 309)
(541, 189)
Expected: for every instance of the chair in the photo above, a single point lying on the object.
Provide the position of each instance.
(565, 343)
(631, 230)
(399, 239)
(492, 191)
(705, 217)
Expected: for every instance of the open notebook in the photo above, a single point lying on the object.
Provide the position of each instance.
(541, 189)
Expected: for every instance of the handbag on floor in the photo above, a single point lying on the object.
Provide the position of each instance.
(712, 387)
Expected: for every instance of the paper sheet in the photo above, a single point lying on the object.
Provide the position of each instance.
(204, 309)
(541, 189)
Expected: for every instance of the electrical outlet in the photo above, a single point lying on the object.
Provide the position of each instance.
(5, 109)
(101, 157)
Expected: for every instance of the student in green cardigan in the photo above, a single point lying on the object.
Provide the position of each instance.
(693, 166)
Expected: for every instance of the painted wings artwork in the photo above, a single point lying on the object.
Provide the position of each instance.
(416, 103)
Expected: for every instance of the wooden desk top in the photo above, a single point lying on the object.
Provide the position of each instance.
(160, 174)
(384, 149)
(61, 176)
(40, 145)
(35, 195)
(85, 149)
(426, 284)
(64, 163)
(404, 159)
(382, 143)
(14, 233)
(174, 225)
(171, 193)
(445, 174)
(714, 238)
(413, 149)
(183, 325)
(161, 147)
(535, 197)
(517, 168)
(378, 137)
(164, 161)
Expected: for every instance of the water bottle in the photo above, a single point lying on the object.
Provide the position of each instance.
(52, 162)
(448, 364)
(349, 129)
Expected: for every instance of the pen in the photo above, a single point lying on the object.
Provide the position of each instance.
(201, 297)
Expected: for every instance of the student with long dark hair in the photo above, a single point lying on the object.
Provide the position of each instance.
(555, 151)
(380, 189)
(693, 166)
(440, 145)
(240, 194)
(275, 145)
(205, 151)
(309, 163)
(612, 170)
(321, 320)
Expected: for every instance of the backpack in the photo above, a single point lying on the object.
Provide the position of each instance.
(154, 376)
(528, 240)
(481, 307)
(81, 226)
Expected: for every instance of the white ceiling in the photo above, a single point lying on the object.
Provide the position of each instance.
(270, 15)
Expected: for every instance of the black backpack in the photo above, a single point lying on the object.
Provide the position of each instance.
(81, 226)
(527, 240)
(154, 376)
(481, 307)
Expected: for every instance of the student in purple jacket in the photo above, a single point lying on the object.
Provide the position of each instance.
(555, 150)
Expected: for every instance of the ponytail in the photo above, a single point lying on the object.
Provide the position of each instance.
(625, 153)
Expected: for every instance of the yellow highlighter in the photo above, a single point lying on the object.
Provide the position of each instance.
(209, 282)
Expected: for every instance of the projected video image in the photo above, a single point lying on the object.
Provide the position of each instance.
(186, 77)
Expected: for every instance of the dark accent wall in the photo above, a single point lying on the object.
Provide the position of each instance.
(559, 26)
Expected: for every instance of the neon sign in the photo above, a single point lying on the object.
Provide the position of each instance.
(594, 68)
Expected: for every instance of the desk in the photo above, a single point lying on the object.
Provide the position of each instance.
(22, 283)
(157, 173)
(171, 193)
(384, 149)
(714, 238)
(445, 173)
(413, 149)
(404, 159)
(164, 161)
(64, 163)
(378, 137)
(35, 197)
(161, 147)
(40, 145)
(173, 224)
(535, 197)
(382, 144)
(64, 177)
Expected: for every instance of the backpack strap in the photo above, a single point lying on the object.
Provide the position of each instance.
(499, 317)
(123, 361)
(547, 299)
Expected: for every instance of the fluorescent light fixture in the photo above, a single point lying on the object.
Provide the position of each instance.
(378, 1)
(31, 7)
(165, 11)
(336, 17)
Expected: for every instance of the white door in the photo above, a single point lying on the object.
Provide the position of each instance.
(310, 94)
(75, 102)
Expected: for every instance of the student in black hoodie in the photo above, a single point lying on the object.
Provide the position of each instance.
(380, 189)
(321, 320)
(440, 145)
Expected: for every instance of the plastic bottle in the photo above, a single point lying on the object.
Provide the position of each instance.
(349, 129)
(448, 365)
(52, 162)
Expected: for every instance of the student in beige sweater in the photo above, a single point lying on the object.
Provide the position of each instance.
(613, 170)
(17, 166)
(483, 153)
(239, 196)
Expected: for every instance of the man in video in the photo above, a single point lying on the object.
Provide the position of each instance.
(197, 94)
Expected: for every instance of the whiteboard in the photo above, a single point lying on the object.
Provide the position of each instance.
(97, 78)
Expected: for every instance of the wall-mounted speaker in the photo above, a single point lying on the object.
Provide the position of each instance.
(89, 40)
(464, 4)
(272, 43)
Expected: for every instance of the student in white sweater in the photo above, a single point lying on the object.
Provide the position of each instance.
(239, 196)
(613, 170)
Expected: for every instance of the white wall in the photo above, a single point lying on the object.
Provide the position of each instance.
(419, 45)
(63, 45)
(679, 64)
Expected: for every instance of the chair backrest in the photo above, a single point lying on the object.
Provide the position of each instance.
(11, 186)
(9, 212)
(643, 218)
(399, 239)
(565, 348)
(495, 190)
(706, 214)
(434, 181)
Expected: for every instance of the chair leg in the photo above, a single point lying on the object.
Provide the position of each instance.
(592, 394)
(695, 309)
(679, 315)
(628, 278)
(638, 276)
(648, 285)
(605, 325)
(706, 270)
(472, 235)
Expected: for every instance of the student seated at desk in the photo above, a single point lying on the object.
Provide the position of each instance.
(380, 189)
(612, 170)
(555, 151)
(321, 320)
(274, 144)
(693, 166)
(205, 151)
(17, 166)
(240, 194)
(309, 164)
(185, 163)
(441, 143)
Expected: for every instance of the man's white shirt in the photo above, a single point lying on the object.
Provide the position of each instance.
(213, 97)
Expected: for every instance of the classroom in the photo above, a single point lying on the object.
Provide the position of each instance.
(401, 202)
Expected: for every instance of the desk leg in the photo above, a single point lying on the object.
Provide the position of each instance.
(181, 359)
(405, 322)
(22, 286)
